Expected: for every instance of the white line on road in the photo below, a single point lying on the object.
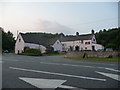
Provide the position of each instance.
(68, 65)
(113, 76)
(112, 69)
(60, 74)
(78, 66)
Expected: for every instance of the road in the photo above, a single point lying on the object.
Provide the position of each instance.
(55, 72)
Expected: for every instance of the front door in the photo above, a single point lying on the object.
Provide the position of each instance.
(93, 48)
(76, 48)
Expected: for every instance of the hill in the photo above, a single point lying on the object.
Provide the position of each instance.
(109, 38)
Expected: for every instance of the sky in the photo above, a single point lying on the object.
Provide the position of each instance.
(57, 17)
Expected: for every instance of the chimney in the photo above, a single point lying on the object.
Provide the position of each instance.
(92, 31)
(77, 33)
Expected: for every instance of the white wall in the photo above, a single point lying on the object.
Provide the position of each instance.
(36, 46)
(66, 45)
(31, 45)
(82, 46)
(87, 46)
(19, 45)
(42, 49)
(57, 46)
(98, 46)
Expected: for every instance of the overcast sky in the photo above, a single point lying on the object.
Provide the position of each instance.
(56, 17)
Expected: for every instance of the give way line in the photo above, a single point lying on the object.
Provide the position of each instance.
(60, 74)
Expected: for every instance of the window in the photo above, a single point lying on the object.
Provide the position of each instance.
(57, 42)
(19, 39)
(87, 42)
(85, 48)
(93, 39)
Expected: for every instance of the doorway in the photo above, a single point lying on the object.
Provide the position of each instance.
(77, 48)
(93, 48)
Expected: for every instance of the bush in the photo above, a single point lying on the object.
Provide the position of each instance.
(49, 50)
(31, 52)
(56, 52)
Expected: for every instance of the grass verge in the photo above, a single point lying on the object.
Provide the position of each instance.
(95, 59)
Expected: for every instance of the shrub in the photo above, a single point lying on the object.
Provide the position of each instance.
(56, 52)
(49, 50)
(31, 52)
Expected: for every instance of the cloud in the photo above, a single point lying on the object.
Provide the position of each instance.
(35, 25)
(54, 27)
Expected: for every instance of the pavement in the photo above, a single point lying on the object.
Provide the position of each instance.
(57, 73)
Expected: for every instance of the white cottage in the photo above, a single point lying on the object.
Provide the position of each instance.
(80, 42)
(36, 41)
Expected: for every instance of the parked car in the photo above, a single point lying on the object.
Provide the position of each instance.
(5, 51)
(109, 49)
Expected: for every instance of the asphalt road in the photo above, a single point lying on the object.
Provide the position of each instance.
(55, 72)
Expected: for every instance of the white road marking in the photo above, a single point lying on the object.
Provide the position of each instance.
(112, 69)
(67, 65)
(46, 83)
(72, 65)
(113, 76)
(60, 74)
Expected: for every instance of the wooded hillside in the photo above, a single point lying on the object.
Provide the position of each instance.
(109, 38)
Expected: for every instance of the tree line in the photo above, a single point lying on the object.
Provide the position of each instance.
(108, 38)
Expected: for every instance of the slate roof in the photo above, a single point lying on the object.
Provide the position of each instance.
(74, 38)
(38, 39)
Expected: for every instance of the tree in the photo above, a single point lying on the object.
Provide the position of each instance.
(8, 41)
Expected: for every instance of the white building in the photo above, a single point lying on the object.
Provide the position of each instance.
(64, 43)
(36, 41)
(80, 42)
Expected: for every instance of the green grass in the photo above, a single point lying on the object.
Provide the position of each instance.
(95, 59)
(57, 54)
